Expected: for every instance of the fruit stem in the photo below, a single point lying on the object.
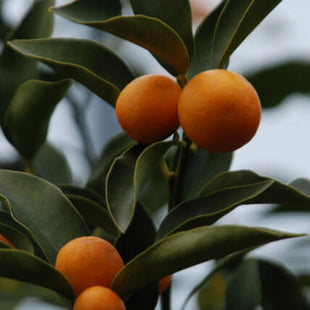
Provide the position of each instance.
(28, 166)
(176, 182)
(168, 175)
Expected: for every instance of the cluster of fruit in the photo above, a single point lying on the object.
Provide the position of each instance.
(90, 264)
(218, 110)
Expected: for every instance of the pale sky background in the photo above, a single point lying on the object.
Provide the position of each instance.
(280, 148)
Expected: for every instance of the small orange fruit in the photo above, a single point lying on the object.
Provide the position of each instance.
(219, 110)
(147, 108)
(98, 298)
(164, 283)
(5, 240)
(88, 261)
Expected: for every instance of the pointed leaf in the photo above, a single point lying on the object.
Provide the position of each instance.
(165, 11)
(42, 209)
(207, 209)
(149, 32)
(103, 72)
(237, 20)
(288, 78)
(27, 117)
(185, 249)
(128, 175)
(23, 266)
(14, 68)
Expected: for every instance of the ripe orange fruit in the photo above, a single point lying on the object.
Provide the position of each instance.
(164, 283)
(219, 110)
(98, 298)
(5, 240)
(147, 108)
(88, 261)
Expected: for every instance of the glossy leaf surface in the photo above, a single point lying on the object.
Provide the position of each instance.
(148, 32)
(224, 193)
(20, 265)
(185, 249)
(37, 205)
(104, 73)
(165, 10)
(27, 117)
(127, 177)
(227, 28)
(15, 68)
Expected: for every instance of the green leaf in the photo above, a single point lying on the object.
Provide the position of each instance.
(14, 68)
(42, 209)
(17, 238)
(114, 147)
(185, 249)
(224, 193)
(237, 20)
(245, 279)
(21, 265)
(27, 117)
(287, 79)
(96, 215)
(139, 235)
(128, 175)
(102, 71)
(200, 167)
(201, 59)
(225, 29)
(50, 164)
(149, 32)
(207, 209)
(165, 11)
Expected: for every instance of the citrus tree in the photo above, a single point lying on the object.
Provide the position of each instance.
(173, 157)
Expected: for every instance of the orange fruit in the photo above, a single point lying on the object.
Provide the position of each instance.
(147, 108)
(219, 110)
(98, 298)
(88, 261)
(164, 283)
(5, 240)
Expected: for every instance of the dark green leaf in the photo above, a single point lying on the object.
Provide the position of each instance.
(185, 249)
(127, 177)
(42, 209)
(207, 209)
(27, 117)
(201, 59)
(117, 145)
(243, 289)
(96, 215)
(228, 262)
(236, 21)
(14, 68)
(287, 79)
(50, 164)
(199, 168)
(139, 235)
(16, 237)
(225, 29)
(149, 32)
(21, 265)
(102, 71)
(166, 11)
